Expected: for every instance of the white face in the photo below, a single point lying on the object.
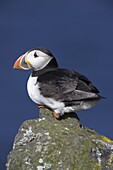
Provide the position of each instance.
(37, 59)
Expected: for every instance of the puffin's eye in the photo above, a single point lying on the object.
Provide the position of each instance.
(35, 55)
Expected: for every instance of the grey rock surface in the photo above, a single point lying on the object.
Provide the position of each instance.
(50, 144)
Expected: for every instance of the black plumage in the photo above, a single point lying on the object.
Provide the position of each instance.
(44, 50)
(67, 86)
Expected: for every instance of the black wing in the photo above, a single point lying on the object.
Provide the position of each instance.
(66, 85)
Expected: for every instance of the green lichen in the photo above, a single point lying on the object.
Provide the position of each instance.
(110, 160)
(59, 144)
(97, 167)
(104, 138)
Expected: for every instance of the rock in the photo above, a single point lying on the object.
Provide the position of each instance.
(50, 144)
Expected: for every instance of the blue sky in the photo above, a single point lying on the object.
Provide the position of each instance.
(79, 34)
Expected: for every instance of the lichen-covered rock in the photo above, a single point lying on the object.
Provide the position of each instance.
(50, 144)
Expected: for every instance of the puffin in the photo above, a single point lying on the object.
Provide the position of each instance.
(58, 89)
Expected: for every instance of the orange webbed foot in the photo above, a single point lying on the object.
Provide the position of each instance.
(41, 107)
(57, 116)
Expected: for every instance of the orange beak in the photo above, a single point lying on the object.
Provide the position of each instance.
(21, 64)
(17, 63)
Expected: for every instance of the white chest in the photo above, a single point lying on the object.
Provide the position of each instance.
(33, 90)
(35, 95)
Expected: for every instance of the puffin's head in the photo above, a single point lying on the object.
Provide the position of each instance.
(35, 59)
